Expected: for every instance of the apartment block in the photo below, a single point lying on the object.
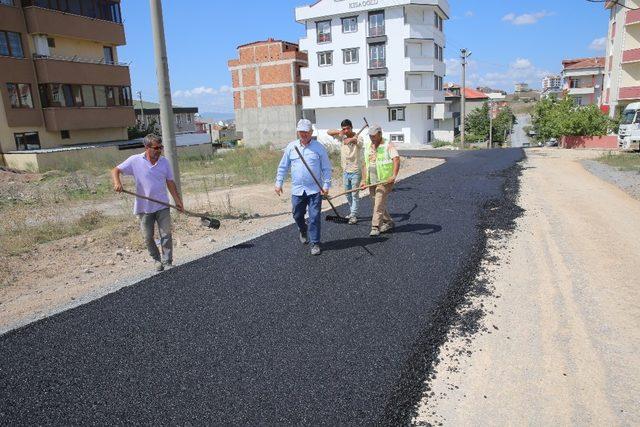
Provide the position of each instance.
(61, 83)
(622, 67)
(583, 80)
(267, 91)
(148, 113)
(383, 60)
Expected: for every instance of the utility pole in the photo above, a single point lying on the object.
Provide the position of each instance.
(144, 122)
(164, 90)
(490, 145)
(464, 54)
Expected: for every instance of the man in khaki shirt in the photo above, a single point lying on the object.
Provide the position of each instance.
(351, 156)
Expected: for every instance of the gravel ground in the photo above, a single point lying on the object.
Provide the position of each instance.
(263, 333)
(629, 181)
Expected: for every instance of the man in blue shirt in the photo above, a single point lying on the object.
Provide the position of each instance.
(304, 190)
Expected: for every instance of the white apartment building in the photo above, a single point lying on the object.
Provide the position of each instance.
(551, 82)
(622, 67)
(379, 59)
(583, 80)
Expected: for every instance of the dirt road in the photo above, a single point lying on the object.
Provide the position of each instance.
(562, 340)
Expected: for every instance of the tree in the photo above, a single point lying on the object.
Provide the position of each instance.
(553, 118)
(478, 124)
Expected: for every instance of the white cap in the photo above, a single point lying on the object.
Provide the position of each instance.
(375, 129)
(304, 125)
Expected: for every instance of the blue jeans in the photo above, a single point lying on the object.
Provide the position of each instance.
(352, 180)
(314, 202)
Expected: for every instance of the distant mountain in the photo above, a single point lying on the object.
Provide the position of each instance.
(225, 117)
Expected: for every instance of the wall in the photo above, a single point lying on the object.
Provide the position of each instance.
(268, 125)
(78, 158)
(608, 141)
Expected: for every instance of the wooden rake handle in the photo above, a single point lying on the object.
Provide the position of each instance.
(353, 190)
(169, 205)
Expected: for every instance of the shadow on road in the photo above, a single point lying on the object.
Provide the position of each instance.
(363, 242)
(417, 228)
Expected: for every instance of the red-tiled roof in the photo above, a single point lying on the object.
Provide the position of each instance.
(580, 63)
(474, 94)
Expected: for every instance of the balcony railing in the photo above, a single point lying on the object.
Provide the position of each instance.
(633, 17)
(76, 58)
(378, 94)
(376, 31)
(377, 63)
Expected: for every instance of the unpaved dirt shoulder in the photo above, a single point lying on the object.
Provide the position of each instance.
(558, 342)
(72, 271)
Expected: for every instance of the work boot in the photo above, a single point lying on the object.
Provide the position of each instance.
(304, 239)
(387, 226)
(353, 219)
(315, 249)
(374, 231)
(158, 265)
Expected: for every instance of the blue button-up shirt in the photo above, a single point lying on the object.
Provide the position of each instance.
(301, 181)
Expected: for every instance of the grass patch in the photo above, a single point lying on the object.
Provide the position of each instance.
(19, 237)
(622, 161)
(438, 144)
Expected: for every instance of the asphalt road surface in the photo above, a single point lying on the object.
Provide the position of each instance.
(519, 136)
(264, 333)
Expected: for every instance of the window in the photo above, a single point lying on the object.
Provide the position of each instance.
(438, 52)
(27, 141)
(326, 88)
(377, 55)
(87, 96)
(101, 96)
(428, 136)
(64, 134)
(437, 21)
(68, 95)
(323, 29)
(350, 56)
(51, 42)
(429, 112)
(437, 83)
(125, 96)
(108, 54)
(20, 95)
(397, 137)
(11, 44)
(396, 114)
(378, 87)
(352, 87)
(325, 58)
(574, 83)
(376, 24)
(112, 98)
(7, 2)
(350, 24)
(436, 124)
(102, 9)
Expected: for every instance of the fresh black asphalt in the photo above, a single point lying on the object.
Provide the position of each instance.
(264, 333)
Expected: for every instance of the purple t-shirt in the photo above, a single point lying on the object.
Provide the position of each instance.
(151, 181)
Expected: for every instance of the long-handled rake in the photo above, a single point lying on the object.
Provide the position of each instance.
(205, 219)
(334, 218)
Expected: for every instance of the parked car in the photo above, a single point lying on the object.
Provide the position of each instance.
(552, 142)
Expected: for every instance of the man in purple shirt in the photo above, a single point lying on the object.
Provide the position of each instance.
(153, 176)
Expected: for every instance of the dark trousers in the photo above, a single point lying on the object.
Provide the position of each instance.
(314, 203)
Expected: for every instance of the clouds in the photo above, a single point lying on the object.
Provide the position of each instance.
(500, 76)
(599, 45)
(207, 99)
(526, 18)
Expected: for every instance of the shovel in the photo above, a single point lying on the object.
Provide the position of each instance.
(205, 219)
(334, 218)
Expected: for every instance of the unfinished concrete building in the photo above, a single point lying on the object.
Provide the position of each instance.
(267, 91)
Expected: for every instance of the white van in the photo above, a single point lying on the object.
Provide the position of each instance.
(629, 130)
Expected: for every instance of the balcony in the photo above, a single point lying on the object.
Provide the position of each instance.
(428, 96)
(305, 74)
(424, 64)
(631, 55)
(632, 18)
(581, 90)
(53, 22)
(629, 93)
(70, 118)
(57, 69)
(442, 112)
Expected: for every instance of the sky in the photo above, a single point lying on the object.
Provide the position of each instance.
(510, 40)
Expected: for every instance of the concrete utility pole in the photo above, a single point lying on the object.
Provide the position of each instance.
(164, 90)
(144, 122)
(464, 54)
(490, 125)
